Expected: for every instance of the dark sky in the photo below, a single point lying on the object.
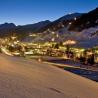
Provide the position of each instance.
(31, 11)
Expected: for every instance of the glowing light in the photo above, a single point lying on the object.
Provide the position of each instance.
(75, 18)
(53, 32)
(70, 42)
(32, 35)
(13, 37)
(52, 39)
(48, 30)
(57, 35)
(62, 25)
(70, 23)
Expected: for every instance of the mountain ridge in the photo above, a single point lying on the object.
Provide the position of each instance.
(67, 23)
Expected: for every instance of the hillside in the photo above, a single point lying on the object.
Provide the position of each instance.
(85, 21)
(61, 22)
(8, 29)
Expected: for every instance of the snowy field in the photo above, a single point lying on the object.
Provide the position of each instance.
(21, 78)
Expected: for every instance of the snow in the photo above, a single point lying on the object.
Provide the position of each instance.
(22, 78)
(85, 39)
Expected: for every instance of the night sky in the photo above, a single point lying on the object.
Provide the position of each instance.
(31, 11)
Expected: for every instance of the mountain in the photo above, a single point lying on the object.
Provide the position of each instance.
(85, 21)
(69, 16)
(61, 22)
(7, 26)
(8, 29)
(32, 27)
(82, 27)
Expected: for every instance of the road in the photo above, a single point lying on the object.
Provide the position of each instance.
(21, 78)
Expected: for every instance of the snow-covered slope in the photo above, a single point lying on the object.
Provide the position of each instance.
(20, 78)
(86, 38)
